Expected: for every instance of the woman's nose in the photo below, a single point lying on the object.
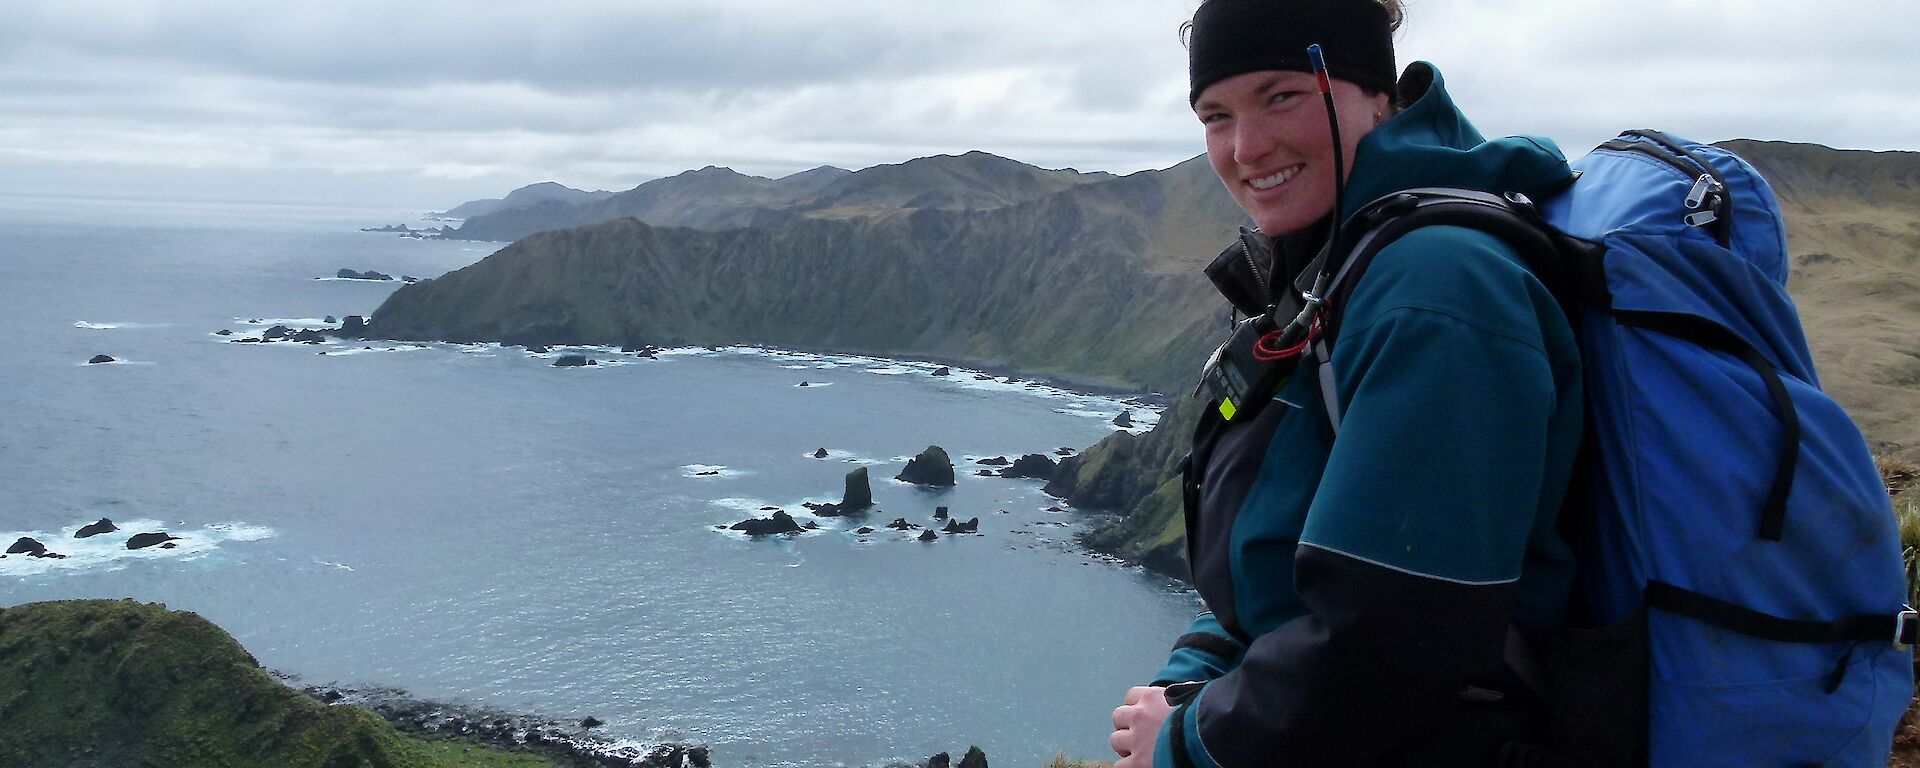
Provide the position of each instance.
(1254, 139)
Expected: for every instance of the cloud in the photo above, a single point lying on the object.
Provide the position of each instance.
(607, 93)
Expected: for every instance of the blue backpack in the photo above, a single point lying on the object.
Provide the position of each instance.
(1740, 598)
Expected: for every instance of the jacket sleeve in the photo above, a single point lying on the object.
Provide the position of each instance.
(1413, 543)
(1205, 652)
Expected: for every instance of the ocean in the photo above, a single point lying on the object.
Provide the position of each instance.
(472, 524)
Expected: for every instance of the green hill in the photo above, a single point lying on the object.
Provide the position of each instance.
(1061, 285)
(117, 684)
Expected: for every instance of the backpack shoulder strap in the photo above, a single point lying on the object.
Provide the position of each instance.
(1570, 267)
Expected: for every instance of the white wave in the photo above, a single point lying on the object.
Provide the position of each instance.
(108, 551)
(84, 364)
(813, 384)
(119, 326)
(367, 350)
(304, 322)
(1145, 416)
(356, 280)
(709, 470)
(335, 565)
(743, 504)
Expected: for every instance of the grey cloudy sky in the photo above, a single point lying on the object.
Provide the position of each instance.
(425, 104)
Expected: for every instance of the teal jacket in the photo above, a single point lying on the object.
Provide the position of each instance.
(1361, 589)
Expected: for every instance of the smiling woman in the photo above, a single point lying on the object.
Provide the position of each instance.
(1316, 568)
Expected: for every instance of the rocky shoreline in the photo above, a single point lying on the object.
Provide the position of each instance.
(570, 744)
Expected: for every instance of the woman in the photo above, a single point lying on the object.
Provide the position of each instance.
(1363, 590)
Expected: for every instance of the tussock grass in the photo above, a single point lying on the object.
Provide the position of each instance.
(1061, 761)
(1898, 473)
(1903, 479)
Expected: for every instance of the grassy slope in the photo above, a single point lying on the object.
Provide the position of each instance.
(1853, 226)
(117, 683)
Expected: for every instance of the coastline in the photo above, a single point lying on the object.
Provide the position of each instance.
(567, 743)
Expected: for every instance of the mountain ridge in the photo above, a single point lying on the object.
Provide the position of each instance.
(718, 198)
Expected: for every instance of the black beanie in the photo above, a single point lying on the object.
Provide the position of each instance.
(1233, 37)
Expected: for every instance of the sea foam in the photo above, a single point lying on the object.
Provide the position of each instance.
(118, 326)
(108, 551)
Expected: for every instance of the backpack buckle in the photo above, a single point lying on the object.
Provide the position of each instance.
(1906, 629)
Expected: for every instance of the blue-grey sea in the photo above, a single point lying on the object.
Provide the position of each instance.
(472, 524)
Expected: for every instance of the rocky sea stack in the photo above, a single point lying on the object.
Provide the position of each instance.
(931, 467)
(103, 525)
(1031, 465)
(144, 540)
(780, 522)
(858, 497)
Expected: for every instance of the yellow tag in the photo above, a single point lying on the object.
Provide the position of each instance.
(1226, 408)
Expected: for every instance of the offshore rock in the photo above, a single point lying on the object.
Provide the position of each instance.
(354, 326)
(858, 496)
(1031, 465)
(276, 333)
(27, 545)
(901, 524)
(859, 491)
(942, 371)
(940, 761)
(94, 529)
(144, 540)
(955, 526)
(975, 758)
(939, 513)
(820, 454)
(928, 536)
(780, 522)
(307, 335)
(1125, 419)
(573, 361)
(997, 461)
(97, 359)
(931, 467)
(329, 320)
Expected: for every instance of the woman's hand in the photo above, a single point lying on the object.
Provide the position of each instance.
(1137, 724)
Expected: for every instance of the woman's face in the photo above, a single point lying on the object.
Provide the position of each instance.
(1268, 139)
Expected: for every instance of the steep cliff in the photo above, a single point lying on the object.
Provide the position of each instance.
(1086, 283)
